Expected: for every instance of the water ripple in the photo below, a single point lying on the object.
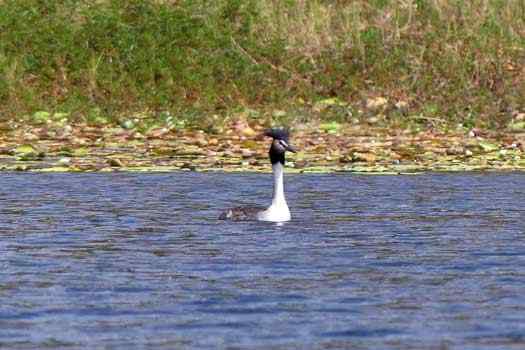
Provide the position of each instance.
(371, 262)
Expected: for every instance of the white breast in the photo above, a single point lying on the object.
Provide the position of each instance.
(275, 213)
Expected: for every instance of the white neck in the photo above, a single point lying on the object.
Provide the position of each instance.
(278, 184)
(278, 211)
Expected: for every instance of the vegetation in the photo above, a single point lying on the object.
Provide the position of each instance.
(439, 61)
(172, 84)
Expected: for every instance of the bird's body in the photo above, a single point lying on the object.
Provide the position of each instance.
(278, 211)
(241, 213)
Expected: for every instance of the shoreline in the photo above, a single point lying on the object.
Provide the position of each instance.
(242, 148)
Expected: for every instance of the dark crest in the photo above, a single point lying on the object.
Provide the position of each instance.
(280, 144)
(278, 133)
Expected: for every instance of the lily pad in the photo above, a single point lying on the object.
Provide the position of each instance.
(80, 152)
(128, 124)
(488, 147)
(363, 157)
(25, 148)
(65, 152)
(329, 102)
(55, 169)
(41, 116)
(517, 126)
(27, 152)
(331, 127)
(27, 157)
(279, 114)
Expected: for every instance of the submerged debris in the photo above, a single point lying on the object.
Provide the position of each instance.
(325, 147)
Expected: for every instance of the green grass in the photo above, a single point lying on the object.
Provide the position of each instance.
(455, 60)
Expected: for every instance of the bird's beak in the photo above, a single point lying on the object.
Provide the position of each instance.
(291, 148)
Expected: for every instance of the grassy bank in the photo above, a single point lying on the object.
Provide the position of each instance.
(434, 62)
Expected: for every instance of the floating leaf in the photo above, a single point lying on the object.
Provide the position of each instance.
(279, 114)
(488, 147)
(518, 126)
(80, 152)
(248, 132)
(376, 103)
(128, 124)
(328, 102)
(250, 144)
(64, 161)
(60, 115)
(363, 157)
(55, 169)
(24, 149)
(332, 102)
(31, 156)
(331, 127)
(41, 116)
(65, 152)
(27, 152)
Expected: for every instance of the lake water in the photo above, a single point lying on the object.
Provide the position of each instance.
(122, 261)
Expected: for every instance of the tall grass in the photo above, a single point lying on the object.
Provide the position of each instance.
(453, 59)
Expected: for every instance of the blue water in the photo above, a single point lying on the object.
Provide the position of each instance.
(121, 261)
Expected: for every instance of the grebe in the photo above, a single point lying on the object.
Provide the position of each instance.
(278, 211)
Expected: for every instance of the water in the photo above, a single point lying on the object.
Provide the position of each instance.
(121, 261)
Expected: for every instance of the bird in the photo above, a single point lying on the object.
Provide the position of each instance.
(278, 211)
